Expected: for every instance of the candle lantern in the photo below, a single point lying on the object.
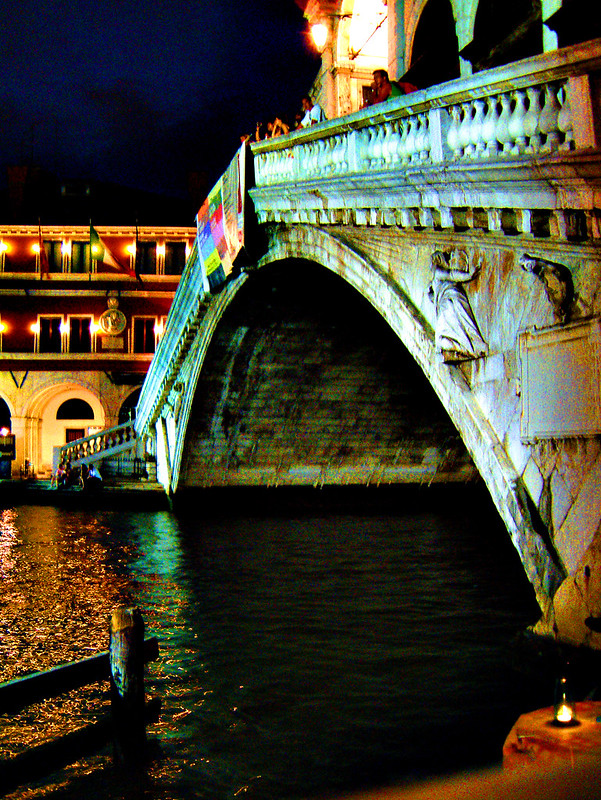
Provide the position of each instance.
(564, 712)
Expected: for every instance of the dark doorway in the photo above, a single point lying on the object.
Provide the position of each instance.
(434, 54)
(505, 31)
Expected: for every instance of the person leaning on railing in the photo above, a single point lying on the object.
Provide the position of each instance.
(385, 89)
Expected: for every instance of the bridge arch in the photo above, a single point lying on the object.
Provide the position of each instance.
(414, 327)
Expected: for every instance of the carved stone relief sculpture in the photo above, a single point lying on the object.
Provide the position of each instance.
(558, 283)
(458, 337)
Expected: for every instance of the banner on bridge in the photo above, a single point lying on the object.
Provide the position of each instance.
(220, 224)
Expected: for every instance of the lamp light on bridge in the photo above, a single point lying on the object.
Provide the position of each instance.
(161, 250)
(35, 327)
(158, 328)
(35, 248)
(564, 710)
(66, 247)
(319, 33)
(3, 247)
(94, 327)
(64, 327)
(2, 327)
(131, 249)
(4, 431)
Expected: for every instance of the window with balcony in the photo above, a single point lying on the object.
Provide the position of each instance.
(80, 257)
(80, 334)
(175, 258)
(146, 258)
(49, 334)
(54, 254)
(143, 335)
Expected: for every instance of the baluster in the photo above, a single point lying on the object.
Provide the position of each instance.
(343, 148)
(410, 140)
(402, 142)
(386, 144)
(564, 120)
(477, 128)
(489, 127)
(453, 134)
(395, 141)
(363, 139)
(516, 123)
(463, 138)
(531, 119)
(503, 135)
(425, 143)
(547, 122)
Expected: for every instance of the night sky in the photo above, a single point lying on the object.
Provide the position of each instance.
(141, 94)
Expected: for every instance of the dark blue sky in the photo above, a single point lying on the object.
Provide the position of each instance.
(142, 93)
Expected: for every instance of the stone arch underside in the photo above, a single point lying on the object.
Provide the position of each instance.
(414, 331)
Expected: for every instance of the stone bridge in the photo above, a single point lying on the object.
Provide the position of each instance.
(422, 302)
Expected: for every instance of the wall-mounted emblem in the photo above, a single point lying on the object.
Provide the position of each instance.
(112, 321)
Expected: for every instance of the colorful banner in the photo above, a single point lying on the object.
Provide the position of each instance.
(220, 223)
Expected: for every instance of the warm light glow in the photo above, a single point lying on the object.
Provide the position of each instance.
(3, 247)
(160, 249)
(319, 32)
(66, 248)
(95, 249)
(64, 327)
(368, 33)
(35, 248)
(564, 713)
(94, 327)
(35, 327)
(2, 327)
(131, 249)
(158, 328)
(4, 431)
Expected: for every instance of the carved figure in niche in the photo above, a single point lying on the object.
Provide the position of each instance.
(558, 283)
(457, 335)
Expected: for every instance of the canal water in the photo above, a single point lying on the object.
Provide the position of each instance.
(307, 652)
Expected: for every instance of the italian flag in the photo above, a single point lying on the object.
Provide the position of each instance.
(101, 253)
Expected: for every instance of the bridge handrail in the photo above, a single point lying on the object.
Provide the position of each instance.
(89, 446)
(519, 109)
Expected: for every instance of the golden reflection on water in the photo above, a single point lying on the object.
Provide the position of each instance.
(60, 584)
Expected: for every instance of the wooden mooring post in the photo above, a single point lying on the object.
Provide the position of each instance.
(126, 655)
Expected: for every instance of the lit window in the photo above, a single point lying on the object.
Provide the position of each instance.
(144, 335)
(80, 257)
(49, 337)
(175, 258)
(80, 334)
(146, 258)
(55, 256)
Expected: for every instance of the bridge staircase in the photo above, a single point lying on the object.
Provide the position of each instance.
(118, 449)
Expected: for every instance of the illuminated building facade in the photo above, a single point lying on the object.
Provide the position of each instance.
(78, 329)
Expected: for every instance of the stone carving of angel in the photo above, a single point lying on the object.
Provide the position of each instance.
(457, 335)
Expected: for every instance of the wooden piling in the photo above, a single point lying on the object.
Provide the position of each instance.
(126, 654)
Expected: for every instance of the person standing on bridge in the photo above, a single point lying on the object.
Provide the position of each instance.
(313, 113)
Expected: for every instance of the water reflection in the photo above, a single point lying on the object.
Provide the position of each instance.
(298, 655)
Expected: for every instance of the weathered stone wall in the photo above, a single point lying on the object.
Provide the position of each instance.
(304, 383)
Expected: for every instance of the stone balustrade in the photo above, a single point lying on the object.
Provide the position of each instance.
(104, 442)
(521, 110)
(182, 322)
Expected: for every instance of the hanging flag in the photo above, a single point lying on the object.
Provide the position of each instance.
(44, 263)
(137, 258)
(101, 253)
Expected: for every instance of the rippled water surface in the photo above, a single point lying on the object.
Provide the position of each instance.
(300, 656)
